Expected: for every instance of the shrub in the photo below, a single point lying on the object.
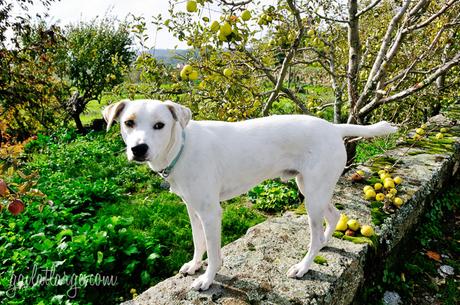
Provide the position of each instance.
(273, 196)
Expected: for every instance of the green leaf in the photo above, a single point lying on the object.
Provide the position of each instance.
(100, 257)
(131, 250)
(65, 232)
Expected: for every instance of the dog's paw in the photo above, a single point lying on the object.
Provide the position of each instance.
(190, 268)
(202, 282)
(297, 270)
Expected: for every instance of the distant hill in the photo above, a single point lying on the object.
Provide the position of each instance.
(168, 56)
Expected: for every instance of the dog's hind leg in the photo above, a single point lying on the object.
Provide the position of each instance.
(199, 243)
(332, 215)
(318, 195)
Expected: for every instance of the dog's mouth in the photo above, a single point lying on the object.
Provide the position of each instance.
(140, 159)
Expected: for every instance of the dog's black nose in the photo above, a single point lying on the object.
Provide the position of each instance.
(140, 150)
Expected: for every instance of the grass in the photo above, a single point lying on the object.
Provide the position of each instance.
(369, 148)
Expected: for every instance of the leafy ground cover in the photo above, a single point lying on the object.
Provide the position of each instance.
(416, 275)
(105, 216)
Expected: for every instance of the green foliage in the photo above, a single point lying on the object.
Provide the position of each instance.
(273, 196)
(31, 88)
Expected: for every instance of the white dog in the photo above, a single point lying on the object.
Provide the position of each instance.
(206, 162)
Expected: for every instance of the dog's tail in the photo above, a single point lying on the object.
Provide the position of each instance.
(380, 129)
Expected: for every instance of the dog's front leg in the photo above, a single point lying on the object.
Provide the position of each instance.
(211, 217)
(199, 243)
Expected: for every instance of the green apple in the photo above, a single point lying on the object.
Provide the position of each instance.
(228, 72)
(187, 69)
(191, 6)
(246, 15)
(439, 136)
(311, 32)
(353, 224)
(215, 26)
(183, 75)
(226, 29)
(367, 231)
(443, 130)
(423, 126)
(420, 131)
(193, 75)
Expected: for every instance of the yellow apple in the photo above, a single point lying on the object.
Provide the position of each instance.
(398, 202)
(367, 231)
(380, 197)
(439, 136)
(388, 183)
(378, 186)
(367, 187)
(443, 130)
(398, 180)
(369, 194)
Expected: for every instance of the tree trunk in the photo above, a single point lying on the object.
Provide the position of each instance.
(353, 57)
(78, 123)
(350, 147)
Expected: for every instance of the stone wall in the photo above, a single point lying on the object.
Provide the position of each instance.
(255, 266)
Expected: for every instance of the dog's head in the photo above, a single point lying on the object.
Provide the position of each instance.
(147, 126)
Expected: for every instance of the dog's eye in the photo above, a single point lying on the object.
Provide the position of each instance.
(129, 123)
(158, 125)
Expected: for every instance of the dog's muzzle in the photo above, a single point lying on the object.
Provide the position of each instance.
(140, 152)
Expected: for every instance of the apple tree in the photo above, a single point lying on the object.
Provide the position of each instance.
(98, 55)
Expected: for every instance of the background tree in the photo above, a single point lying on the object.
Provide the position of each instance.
(30, 85)
(99, 54)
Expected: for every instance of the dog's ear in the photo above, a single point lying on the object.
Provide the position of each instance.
(112, 112)
(180, 113)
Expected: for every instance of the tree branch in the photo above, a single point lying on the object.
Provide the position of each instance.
(368, 8)
(442, 69)
(430, 19)
(377, 66)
